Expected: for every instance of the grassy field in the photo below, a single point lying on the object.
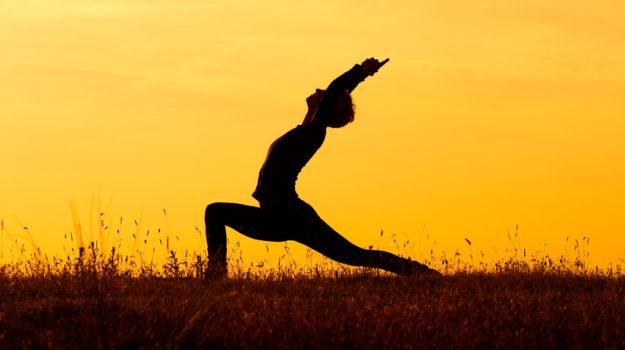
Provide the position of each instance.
(106, 300)
(94, 304)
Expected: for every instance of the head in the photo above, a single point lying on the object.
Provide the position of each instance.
(339, 114)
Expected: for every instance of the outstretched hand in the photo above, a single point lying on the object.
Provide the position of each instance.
(371, 65)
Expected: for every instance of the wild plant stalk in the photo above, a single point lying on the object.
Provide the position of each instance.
(97, 257)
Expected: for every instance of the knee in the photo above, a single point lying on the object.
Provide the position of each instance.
(212, 211)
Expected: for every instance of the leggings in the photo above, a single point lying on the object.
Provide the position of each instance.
(296, 221)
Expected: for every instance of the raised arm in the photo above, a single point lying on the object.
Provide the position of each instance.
(348, 81)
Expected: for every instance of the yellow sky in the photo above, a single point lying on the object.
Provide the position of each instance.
(489, 115)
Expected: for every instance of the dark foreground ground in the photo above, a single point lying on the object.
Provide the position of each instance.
(463, 311)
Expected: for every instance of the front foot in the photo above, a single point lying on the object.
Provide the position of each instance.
(215, 273)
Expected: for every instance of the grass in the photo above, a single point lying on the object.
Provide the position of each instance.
(352, 310)
(95, 302)
(107, 300)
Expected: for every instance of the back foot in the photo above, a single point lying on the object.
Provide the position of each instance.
(418, 269)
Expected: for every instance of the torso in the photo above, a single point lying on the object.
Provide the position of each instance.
(285, 159)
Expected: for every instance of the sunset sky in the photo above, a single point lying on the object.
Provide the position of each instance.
(489, 115)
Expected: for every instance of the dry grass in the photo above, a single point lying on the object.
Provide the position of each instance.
(92, 302)
(101, 300)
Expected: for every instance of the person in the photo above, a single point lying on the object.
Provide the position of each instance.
(281, 214)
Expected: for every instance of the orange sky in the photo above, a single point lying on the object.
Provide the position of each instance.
(488, 115)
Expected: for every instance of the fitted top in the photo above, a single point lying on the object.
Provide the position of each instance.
(290, 152)
(285, 159)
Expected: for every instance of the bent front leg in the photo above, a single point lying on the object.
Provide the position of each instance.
(215, 239)
(248, 220)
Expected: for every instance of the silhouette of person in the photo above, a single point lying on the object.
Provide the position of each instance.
(282, 215)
